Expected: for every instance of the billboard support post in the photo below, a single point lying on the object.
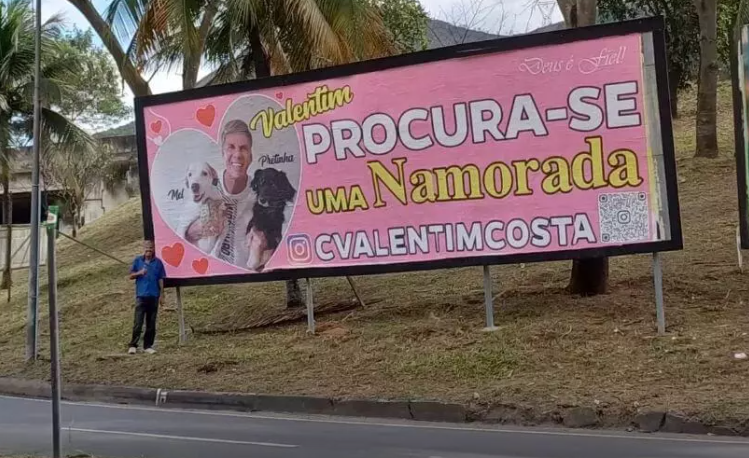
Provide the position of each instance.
(356, 292)
(488, 301)
(181, 316)
(310, 308)
(658, 281)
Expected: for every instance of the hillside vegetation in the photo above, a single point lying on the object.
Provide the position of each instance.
(420, 336)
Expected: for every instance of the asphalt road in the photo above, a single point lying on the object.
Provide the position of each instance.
(125, 432)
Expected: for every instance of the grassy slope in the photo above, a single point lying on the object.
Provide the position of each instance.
(423, 338)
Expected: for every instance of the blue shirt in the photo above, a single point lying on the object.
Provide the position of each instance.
(148, 284)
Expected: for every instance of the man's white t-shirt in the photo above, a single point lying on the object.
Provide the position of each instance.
(231, 246)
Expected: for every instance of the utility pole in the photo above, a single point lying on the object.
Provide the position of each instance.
(32, 333)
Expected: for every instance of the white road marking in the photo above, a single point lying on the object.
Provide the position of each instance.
(412, 424)
(180, 438)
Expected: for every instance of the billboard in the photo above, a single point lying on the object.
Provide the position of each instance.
(529, 148)
(740, 75)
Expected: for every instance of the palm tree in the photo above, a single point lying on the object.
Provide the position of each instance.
(16, 92)
(244, 38)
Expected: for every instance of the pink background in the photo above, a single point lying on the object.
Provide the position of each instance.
(497, 76)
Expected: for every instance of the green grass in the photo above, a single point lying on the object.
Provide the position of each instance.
(421, 337)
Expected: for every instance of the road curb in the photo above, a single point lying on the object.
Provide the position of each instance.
(433, 411)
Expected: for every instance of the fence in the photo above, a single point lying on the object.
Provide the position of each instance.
(20, 246)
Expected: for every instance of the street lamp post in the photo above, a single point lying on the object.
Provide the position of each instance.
(32, 333)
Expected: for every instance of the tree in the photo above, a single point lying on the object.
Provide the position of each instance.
(277, 39)
(471, 18)
(406, 21)
(129, 70)
(95, 95)
(77, 172)
(707, 88)
(238, 35)
(682, 37)
(589, 276)
(17, 29)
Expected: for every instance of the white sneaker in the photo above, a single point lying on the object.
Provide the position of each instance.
(132, 350)
(150, 351)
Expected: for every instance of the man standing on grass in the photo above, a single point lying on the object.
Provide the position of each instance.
(148, 273)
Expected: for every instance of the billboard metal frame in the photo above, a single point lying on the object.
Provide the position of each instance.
(655, 26)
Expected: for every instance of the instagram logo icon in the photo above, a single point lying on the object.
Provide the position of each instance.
(299, 249)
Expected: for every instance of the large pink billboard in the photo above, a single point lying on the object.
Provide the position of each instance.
(506, 151)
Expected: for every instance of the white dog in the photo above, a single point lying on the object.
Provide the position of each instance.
(202, 184)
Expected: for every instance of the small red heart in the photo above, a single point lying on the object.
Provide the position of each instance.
(173, 254)
(279, 95)
(156, 126)
(200, 266)
(206, 115)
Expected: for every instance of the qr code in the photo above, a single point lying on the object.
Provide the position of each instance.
(623, 217)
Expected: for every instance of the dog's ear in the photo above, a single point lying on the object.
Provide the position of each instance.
(256, 179)
(286, 188)
(214, 175)
(187, 184)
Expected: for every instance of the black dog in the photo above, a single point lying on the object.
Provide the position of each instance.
(265, 230)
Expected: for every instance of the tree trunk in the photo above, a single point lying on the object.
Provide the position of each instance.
(707, 85)
(260, 61)
(75, 216)
(673, 86)
(191, 62)
(190, 67)
(294, 298)
(7, 281)
(589, 276)
(259, 56)
(129, 73)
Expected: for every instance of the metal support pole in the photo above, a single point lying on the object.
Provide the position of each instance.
(54, 342)
(32, 333)
(488, 301)
(658, 281)
(181, 316)
(356, 292)
(310, 309)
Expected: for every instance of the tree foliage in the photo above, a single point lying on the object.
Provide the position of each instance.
(682, 31)
(406, 21)
(727, 11)
(94, 98)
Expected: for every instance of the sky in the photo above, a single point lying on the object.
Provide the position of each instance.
(505, 16)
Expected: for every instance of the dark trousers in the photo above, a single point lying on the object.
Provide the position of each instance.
(146, 309)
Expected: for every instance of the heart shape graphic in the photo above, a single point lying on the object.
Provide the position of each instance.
(200, 266)
(206, 115)
(156, 126)
(279, 95)
(173, 255)
(186, 146)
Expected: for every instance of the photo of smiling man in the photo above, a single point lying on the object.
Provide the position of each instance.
(238, 197)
